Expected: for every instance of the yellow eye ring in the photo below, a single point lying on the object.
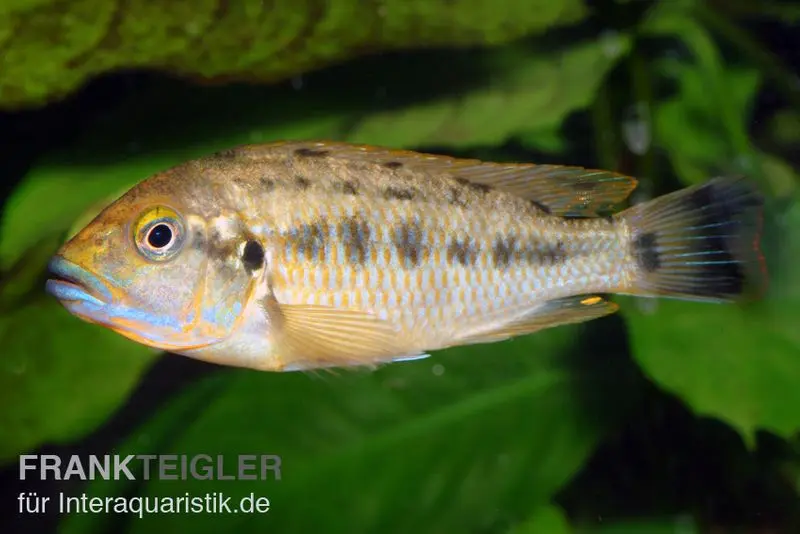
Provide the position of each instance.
(159, 234)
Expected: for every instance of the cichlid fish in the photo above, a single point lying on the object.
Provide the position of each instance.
(302, 255)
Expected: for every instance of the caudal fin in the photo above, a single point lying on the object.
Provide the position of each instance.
(699, 243)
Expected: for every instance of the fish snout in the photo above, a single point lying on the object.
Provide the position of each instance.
(69, 282)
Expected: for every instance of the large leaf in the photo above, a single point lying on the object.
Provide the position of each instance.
(245, 40)
(678, 525)
(785, 127)
(169, 124)
(53, 390)
(544, 520)
(469, 439)
(688, 128)
(507, 105)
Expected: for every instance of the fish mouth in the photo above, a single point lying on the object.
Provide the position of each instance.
(85, 295)
(71, 283)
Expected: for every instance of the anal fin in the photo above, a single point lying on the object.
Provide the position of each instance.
(568, 310)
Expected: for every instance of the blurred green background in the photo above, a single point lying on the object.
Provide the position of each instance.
(669, 417)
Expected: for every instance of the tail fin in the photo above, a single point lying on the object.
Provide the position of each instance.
(699, 243)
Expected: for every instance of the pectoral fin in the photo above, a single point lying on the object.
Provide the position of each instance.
(313, 337)
(558, 312)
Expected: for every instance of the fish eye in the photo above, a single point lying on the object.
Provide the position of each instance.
(159, 234)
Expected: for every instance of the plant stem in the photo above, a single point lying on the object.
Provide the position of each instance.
(763, 8)
(785, 80)
(643, 96)
(605, 135)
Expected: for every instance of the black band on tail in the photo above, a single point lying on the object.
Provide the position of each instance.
(699, 243)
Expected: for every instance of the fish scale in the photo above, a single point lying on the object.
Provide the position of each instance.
(435, 291)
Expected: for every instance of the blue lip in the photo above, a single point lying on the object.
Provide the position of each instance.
(74, 283)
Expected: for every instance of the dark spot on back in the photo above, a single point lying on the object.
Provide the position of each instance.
(399, 193)
(347, 187)
(393, 164)
(646, 252)
(456, 197)
(461, 251)
(302, 182)
(356, 236)
(503, 250)
(408, 242)
(227, 153)
(477, 187)
(253, 256)
(311, 152)
(541, 207)
(267, 183)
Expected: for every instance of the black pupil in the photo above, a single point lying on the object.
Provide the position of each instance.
(159, 236)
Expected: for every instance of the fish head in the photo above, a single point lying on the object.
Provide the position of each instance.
(156, 270)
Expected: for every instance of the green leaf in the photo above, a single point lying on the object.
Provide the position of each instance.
(704, 126)
(785, 128)
(470, 438)
(161, 429)
(509, 91)
(744, 9)
(506, 106)
(691, 129)
(546, 140)
(246, 40)
(24, 279)
(677, 525)
(735, 362)
(52, 389)
(544, 520)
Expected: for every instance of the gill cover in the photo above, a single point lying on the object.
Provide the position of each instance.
(171, 287)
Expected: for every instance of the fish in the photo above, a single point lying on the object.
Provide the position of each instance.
(303, 255)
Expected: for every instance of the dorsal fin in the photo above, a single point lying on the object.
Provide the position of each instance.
(565, 191)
